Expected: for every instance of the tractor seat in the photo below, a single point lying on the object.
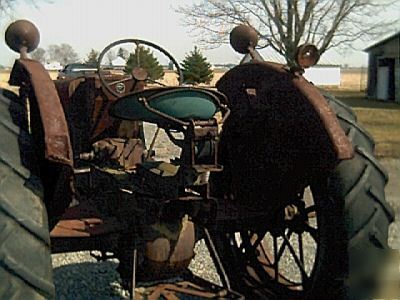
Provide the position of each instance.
(168, 105)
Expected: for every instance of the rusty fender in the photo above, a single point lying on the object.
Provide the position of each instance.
(32, 74)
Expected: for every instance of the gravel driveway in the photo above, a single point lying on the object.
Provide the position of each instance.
(78, 276)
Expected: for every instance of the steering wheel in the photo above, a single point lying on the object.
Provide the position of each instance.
(117, 87)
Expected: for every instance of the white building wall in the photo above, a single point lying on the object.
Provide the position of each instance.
(323, 75)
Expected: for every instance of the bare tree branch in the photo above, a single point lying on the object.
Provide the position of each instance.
(285, 24)
(8, 6)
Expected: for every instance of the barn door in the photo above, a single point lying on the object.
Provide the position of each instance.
(385, 87)
(382, 85)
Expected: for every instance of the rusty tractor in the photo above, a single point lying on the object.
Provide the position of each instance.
(273, 174)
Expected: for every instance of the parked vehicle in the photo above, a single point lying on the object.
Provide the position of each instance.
(294, 207)
(76, 70)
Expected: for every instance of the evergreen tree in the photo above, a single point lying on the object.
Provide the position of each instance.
(144, 58)
(92, 57)
(196, 69)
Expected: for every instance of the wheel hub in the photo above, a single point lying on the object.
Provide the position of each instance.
(296, 217)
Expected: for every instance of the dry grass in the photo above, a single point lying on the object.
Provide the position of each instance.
(384, 125)
(358, 99)
(4, 76)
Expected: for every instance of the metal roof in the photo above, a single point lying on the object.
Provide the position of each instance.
(393, 36)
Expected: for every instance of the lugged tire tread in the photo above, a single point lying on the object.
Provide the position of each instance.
(359, 185)
(22, 273)
(367, 191)
(385, 205)
(371, 159)
(24, 222)
(354, 131)
(367, 231)
(25, 261)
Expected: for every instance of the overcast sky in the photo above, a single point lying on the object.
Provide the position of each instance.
(87, 24)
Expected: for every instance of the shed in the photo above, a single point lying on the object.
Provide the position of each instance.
(384, 69)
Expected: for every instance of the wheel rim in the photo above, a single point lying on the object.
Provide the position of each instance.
(279, 261)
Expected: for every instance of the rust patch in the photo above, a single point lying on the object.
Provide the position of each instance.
(56, 135)
(342, 145)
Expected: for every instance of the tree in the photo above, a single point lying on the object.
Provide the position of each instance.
(123, 53)
(171, 65)
(39, 54)
(144, 58)
(63, 53)
(284, 25)
(196, 69)
(110, 57)
(7, 7)
(92, 57)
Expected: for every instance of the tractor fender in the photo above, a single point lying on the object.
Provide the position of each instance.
(31, 74)
(48, 128)
(250, 77)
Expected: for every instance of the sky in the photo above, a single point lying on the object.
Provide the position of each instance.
(87, 24)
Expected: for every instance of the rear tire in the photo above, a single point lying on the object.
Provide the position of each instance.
(360, 182)
(25, 261)
(353, 220)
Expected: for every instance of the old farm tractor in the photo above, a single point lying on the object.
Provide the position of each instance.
(274, 175)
